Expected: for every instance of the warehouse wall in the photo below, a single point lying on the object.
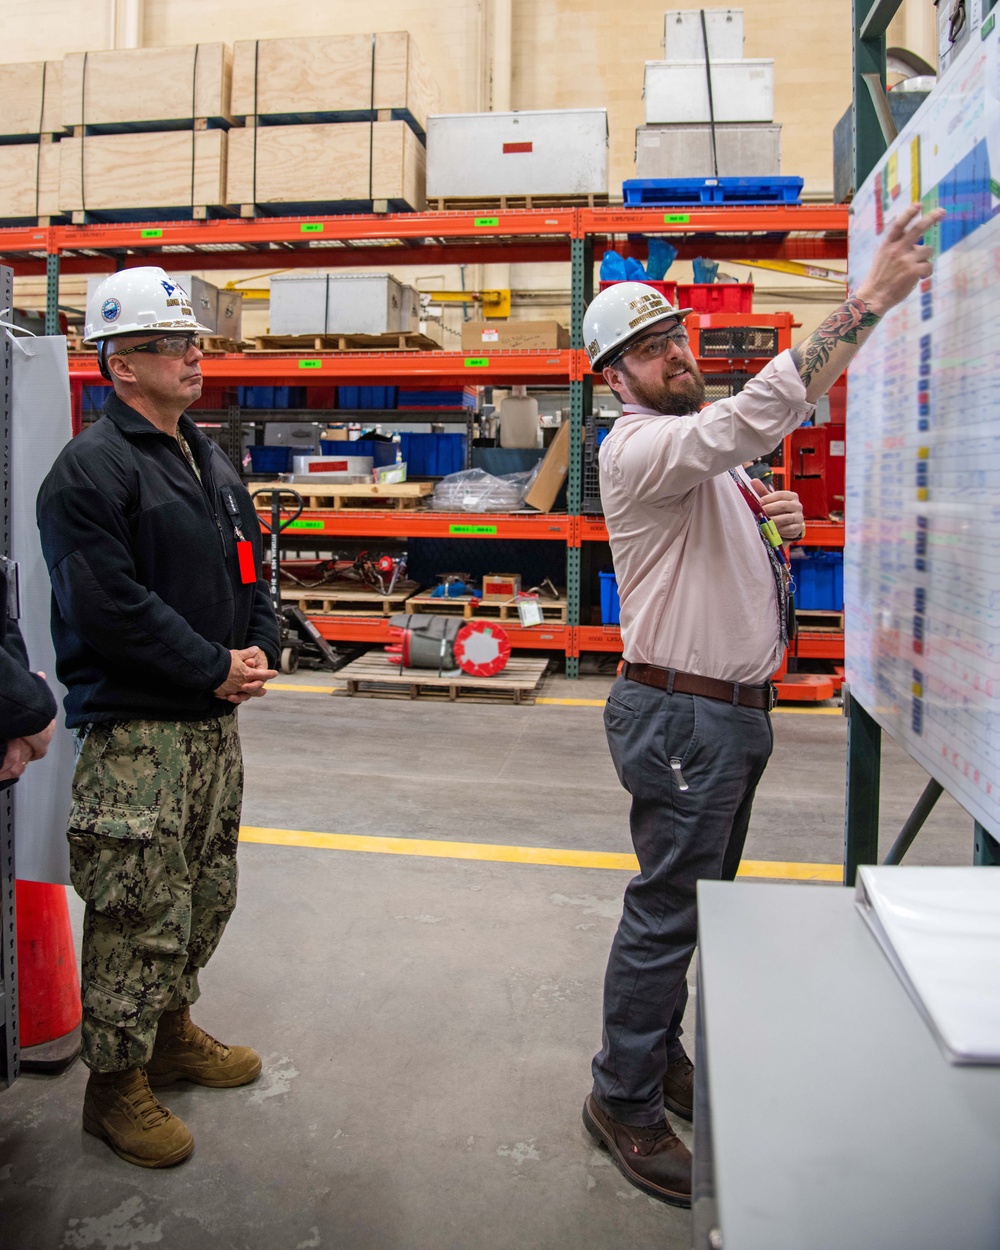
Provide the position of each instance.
(564, 54)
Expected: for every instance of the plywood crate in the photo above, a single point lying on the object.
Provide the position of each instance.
(31, 98)
(332, 78)
(119, 174)
(142, 88)
(29, 181)
(351, 163)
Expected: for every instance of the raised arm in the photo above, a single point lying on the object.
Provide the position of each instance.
(899, 264)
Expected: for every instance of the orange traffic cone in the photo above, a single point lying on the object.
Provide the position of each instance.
(49, 1010)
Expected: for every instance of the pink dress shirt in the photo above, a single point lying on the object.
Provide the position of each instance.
(696, 588)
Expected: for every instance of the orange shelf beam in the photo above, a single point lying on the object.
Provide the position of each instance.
(375, 630)
(376, 523)
(818, 645)
(724, 219)
(598, 638)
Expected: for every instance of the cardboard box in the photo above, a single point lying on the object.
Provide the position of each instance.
(552, 474)
(499, 587)
(512, 336)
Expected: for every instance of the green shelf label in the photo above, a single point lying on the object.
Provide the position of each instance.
(988, 26)
(477, 362)
(310, 364)
(311, 227)
(486, 221)
(473, 530)
(150, 234)
(305, 525)
(675, 219)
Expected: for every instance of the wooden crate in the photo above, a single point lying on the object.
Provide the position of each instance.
(164, 170)
(29, 180)
(336, 74)
(330, 495)
(31, 98)
(500, 203)
(326, 163)
(373, 675)
(143, 88)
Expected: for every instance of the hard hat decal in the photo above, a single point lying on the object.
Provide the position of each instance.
(173, 303)
(648, 315)
(111, 309)
(188, 312)
(169, 287)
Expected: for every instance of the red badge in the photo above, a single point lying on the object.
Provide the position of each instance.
(244, 554)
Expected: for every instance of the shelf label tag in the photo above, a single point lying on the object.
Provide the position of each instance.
(150, 234)
(305, 525)
(473, 530)
(310, 364)
(311, 227)
(676, 219)
(486, 221)
(477, 362)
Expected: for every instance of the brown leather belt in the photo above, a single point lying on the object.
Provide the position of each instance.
(673, 681)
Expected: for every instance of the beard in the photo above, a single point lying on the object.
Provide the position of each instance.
(674, 398)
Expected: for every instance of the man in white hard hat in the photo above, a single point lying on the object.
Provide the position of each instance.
(702, 579)
(162, 626)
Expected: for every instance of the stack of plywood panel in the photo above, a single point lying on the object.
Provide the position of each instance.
(677, 140)
(148, 132)
(30, 103)
(333, 123)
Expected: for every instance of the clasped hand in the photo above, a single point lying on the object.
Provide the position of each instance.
(783, 508)
(248, 672)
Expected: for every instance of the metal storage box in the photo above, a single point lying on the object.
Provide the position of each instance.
(298, 303)
(677, 91)
(743, 151)
(683, 39)
(229, 314)
(550, 152)
(409, 319)
(370, 303)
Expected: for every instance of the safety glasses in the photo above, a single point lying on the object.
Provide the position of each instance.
(652, 346)
(167, 345)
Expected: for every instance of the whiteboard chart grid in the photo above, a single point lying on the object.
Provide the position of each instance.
(922, 570)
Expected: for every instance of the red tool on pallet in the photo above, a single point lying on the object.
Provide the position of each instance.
(480, 648)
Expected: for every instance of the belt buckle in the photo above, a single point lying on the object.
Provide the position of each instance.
(772, 696)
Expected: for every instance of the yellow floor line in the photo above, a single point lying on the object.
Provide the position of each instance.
(495, 853)
(797, 711)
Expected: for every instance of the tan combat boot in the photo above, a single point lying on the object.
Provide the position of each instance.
(121, 1108)
(182, 1051)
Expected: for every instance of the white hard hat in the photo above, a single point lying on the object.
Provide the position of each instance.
(618, 314)
(139, 301)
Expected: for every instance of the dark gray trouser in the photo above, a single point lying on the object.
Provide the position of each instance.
(680, 837)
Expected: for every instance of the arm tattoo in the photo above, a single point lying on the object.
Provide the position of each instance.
(841, 326)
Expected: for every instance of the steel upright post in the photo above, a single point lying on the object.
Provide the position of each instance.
(873, 127)
(51, 293)
(985, 849)
(580, 396)
(864, 766)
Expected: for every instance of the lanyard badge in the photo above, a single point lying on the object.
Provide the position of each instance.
(244, 549)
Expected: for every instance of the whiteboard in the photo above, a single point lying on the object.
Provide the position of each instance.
(922, 556)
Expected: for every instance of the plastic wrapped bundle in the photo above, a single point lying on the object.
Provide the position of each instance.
(474, 490)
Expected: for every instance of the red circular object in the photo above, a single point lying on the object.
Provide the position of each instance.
(482, 649)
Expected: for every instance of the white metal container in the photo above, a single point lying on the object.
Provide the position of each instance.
(229, 314)
(683, 39)
(370, 303)
(544, 152)
(332, 467)
(298, 303)
(752, 150)
(409, 315)
(677, 91)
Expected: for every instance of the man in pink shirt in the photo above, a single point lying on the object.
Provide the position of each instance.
(699, 558)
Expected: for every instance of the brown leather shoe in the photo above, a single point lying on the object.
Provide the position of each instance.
(183, 1052)
(120, 1108)
(653, 1159)
(678, 1088)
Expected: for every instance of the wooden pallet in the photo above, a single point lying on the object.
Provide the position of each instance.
(373, 675)
(329, 601)
(213, 343)
(468, 607)
(818, 621)
(408, 341)
(331, 496)
(502, 202)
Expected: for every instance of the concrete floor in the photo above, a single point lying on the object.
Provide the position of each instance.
(427, 1024)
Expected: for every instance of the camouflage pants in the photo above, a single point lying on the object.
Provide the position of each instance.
(153, 833)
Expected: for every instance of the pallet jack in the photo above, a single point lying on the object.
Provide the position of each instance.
(301, 641)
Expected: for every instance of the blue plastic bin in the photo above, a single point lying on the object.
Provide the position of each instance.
(381, 453)
(819, 581)
(367, 397)
(432, 455)
(271, 459)
(610, 604)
